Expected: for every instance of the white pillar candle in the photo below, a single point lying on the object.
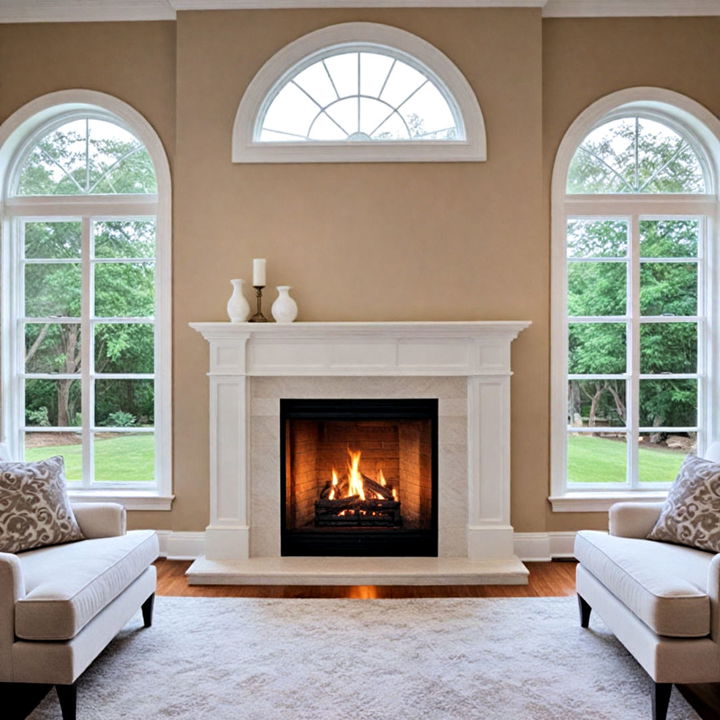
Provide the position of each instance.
(259, 272)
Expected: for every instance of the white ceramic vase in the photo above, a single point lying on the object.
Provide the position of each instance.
(238, 308)
(284, 309)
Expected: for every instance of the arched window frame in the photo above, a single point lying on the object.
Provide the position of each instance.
(287, 61)
(702, 129)
(17, 136)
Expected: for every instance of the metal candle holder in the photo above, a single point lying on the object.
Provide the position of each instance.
(258, 316)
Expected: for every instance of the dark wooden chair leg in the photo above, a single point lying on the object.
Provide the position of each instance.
(585, 610)
(67, 695)
(660, 700)
(147, 610)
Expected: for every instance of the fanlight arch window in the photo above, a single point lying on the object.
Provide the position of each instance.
(358, 92)
(86, 271)
(637, 154)
(635, 247)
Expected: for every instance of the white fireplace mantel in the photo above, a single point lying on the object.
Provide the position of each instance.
(478, 351)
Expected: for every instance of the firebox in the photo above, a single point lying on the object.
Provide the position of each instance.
(359, 477)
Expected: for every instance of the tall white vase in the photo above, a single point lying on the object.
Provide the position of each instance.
(238, 308)
(284, 309)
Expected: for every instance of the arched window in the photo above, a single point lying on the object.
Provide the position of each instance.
(85, 311)
(358, 92)
(634, 201)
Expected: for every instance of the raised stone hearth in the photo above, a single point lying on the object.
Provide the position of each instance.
(464, 365)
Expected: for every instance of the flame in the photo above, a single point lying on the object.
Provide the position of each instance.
(355, 478)
(395, 495)
(381, 478)
(334, 484)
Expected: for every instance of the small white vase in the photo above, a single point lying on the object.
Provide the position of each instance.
(284, 309)
(238, 308)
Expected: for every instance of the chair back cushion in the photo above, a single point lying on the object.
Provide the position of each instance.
(34, 506)
(691, 513)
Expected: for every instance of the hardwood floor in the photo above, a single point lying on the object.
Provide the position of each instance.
(547, 579)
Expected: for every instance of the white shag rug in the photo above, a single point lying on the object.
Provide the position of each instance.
(434, 659)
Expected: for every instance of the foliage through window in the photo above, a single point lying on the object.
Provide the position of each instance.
(86, 311)
(635, 311)
(363, 93)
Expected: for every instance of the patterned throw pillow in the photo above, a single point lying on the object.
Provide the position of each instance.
(691, 513)
(34, 506)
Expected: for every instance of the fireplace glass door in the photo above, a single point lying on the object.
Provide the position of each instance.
(359, 477)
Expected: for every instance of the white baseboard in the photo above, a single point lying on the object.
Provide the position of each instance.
(543, 546)
(538, 546)
(181, 545)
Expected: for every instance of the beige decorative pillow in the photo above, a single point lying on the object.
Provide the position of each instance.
(34, 506)
(691, 514)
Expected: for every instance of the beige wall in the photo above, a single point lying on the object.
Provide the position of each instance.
(434, 241)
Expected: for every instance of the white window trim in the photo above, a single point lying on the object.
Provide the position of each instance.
(245, 149)
(701, 124)
(14, 135)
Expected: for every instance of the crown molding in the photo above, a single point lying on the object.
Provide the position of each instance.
(630, 8)
(23, 11)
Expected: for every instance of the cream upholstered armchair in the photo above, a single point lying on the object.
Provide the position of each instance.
(662, 601)
(61, 605)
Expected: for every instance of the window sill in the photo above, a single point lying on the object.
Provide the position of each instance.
(130, 499)
(600, 500)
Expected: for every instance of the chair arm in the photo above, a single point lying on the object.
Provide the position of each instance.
(12, 588)
(99, 520)
(633, 520)
(713, 590)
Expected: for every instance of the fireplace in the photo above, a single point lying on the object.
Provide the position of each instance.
(359, 477)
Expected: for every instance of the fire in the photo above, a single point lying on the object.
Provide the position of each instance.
(355, 478)
(335, 482)
(381, 478)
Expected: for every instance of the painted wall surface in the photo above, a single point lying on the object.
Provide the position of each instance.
(586, 59)
(435, 241)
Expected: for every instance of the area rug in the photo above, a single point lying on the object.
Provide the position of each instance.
(434, 659)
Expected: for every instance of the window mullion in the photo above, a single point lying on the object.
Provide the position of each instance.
(87, 354)
(633, 350)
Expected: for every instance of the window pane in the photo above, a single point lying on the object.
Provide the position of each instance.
(125, 239)
(124, 403)
(124, 289)
(597, 348)
(124, 348)
(87, 156)
(660, 456)
(635, 155)
(40, 446)
(596, 403)
(668, 403)
(669, 238)
(124, 457)
(668, 288)
(597, 288)
(597, 238)
(597, 458)
(668, 347)
(53, 290)
(52, 348)
(360, 94)
(52, 403)
(50, 240)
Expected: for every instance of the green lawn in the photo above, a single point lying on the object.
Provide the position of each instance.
(603, 460)
(120, 458)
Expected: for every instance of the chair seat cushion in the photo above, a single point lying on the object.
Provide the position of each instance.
(67, 585)
(663, 585)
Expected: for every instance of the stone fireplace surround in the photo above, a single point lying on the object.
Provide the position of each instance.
(466, 365)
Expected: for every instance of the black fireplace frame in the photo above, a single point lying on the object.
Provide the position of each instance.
(360, 542)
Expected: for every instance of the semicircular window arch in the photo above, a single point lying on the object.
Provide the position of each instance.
(359, 92)
(89, 154)
(638, 154)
